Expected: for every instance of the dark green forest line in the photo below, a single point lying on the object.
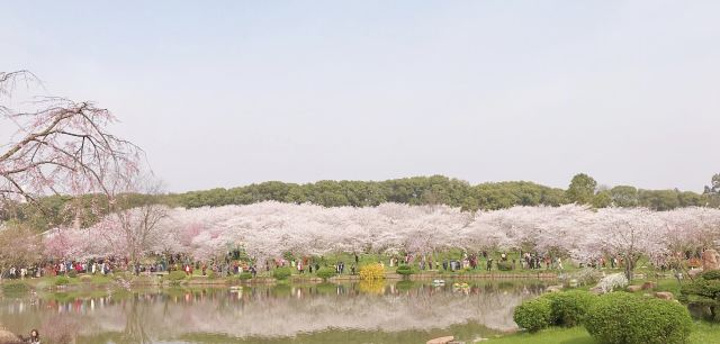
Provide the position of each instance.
(582, 189)
(438, 189)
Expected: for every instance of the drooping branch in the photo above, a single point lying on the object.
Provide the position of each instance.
(61, 147)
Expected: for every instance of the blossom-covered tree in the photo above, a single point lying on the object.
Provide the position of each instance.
(60, 146)
(267, 230)
(19, 247)
(627, 233)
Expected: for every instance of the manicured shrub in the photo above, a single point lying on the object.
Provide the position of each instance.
(176, 276)
(703, 295)
(664, 322)
(372, 272)
(245, 276)
(606, 319)
(62, 280)
(72, 273)
(623, 318)
(504, 266)
(326, 273)
(404, 270)
(569, 308)
(282, 273)
(534, 315)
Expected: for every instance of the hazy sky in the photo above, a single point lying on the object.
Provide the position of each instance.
(223, 94)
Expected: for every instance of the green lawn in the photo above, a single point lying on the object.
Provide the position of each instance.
(576, 335)
(703, 333)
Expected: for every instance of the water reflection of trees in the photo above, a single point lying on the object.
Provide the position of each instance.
(135, 329)
(142, 317)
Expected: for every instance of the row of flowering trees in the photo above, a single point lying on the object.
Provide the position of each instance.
(267, 230)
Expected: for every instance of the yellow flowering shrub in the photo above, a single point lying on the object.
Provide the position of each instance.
(372, 272)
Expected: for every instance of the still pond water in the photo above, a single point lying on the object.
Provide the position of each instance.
(360, 313)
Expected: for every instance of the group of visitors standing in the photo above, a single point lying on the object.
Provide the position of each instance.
(60, 268)
(310, 265)
(533, 261)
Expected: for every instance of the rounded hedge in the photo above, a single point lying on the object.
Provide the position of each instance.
(282, 273)
(569, 308)
(62, 280)
(703, 295)
(176, 275)
(534, 315)
(244, 276)
(325, 273)
(404, 270)
(623, 318)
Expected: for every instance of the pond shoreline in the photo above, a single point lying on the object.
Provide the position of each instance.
(126, 281)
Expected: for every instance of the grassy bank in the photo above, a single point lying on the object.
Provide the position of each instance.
(702, 333)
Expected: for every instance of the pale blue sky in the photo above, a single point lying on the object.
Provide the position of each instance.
(222, 94)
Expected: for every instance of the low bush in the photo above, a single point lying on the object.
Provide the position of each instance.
(569, 308)
(372, 272)
(62, 280)
(245, 276)
(703, 295)
(72, 273)
(325, 273)
(282, 273)
(504, 266)
(607, 318)
(623, 318)
(534, 315)
(86, 278)
(176, 276)
(212, 275)
(404, 270)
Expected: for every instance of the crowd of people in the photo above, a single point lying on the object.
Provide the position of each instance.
(234, 264)
(527, 261)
